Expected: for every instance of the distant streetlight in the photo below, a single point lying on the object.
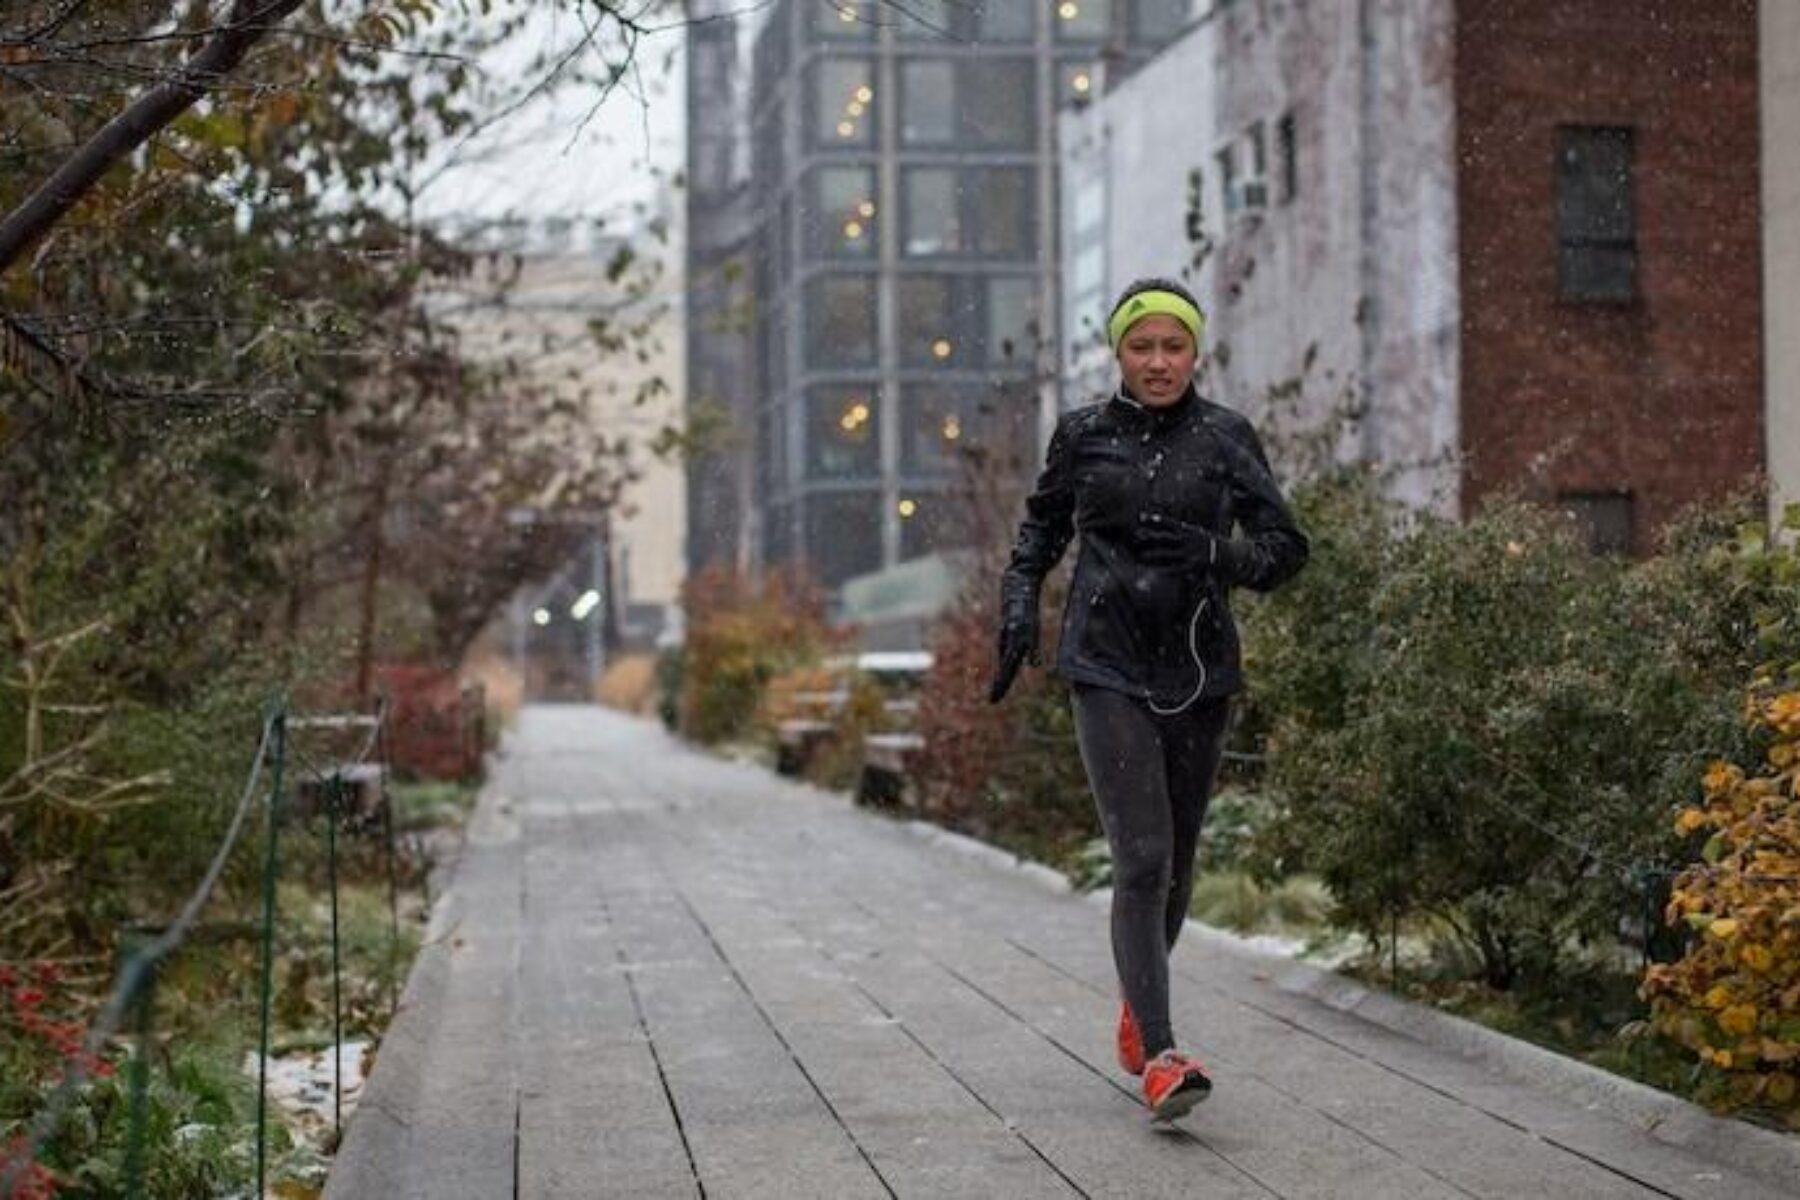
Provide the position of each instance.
(589, 601)
(541, 616)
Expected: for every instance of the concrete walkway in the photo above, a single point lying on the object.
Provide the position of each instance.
(660, 974)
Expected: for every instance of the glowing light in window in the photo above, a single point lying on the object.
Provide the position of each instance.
(853, 230)
(846, 129)
(866, 209)
(854, 417)
(865, 94)
(942, 348)
(541, 616)
(1082, 83)
(952, 429)
(1068, 11)
(908, 507)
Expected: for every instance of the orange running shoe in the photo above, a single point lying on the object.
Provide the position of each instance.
(1173, 1084)
(1131, 1042)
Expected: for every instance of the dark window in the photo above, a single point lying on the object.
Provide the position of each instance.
(1158, 21)
(943, 422)
(965, 20)
(848, 20)
(1603, 519)
(778, 535)
(998, 102)
(1082, 20)
(840, 221)
(982, 211)
(840, 321)
(1596, 226)
(966, 321)
(1075, 82)
(986, 102)
(843, 535)
(843, 99)
(1287, 159)
(842, 433)
(928, 522)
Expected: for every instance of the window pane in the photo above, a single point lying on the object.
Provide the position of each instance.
(854, 20)
(842, 441)
(999, 201)
(840, 320)
(999, 102)
(1287, 155)
(1081, 20)
(843, 103)
(1603, 519)
(1010, 335)
(841, 221)
(928, 334)
(1158, 20)
(1004, 20)
(928, 522)
(1595, 223)
(1594, 183)
(938, 421)
(1075, 82)
(843, 535)
(932, 222)
(930, 20)
(1597, 272)
(927, 103)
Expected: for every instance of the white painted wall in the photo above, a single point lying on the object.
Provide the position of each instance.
(1287, 284)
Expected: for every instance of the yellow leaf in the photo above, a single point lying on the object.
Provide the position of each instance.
(1689, 820)
(1720, 776)
(1724, 927)
(1718, 997)
(1738, 1020)
(1757, 958)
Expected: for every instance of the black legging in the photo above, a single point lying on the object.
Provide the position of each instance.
(1151, 777)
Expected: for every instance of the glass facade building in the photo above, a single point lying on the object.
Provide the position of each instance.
(900, 200)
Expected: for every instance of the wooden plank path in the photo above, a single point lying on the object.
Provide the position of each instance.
(662, 974)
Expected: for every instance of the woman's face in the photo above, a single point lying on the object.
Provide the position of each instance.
(1156, 357)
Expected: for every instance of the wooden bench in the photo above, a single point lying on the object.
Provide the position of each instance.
(887, 765)
(796, 741)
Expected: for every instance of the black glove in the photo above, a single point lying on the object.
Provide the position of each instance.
(1165, 541)
(1018, 645)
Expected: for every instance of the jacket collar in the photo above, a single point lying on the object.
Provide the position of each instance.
(1125, 403)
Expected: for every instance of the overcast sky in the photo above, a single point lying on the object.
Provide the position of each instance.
(543, 162)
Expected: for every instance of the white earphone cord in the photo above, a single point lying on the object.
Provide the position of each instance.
(1194, 653)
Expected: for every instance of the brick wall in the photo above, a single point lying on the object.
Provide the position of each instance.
(1660, 397)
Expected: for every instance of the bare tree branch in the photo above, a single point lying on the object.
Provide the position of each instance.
(251, 21)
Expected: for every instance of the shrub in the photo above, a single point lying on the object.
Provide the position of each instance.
(1734, 997)
(1008, 773)
(1484, 725)
(741, 632)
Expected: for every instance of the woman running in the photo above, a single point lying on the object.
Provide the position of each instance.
(1175, 504)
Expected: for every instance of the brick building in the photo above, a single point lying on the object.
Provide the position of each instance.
(1524, 233)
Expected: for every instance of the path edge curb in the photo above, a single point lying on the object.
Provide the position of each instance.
(382, 1120)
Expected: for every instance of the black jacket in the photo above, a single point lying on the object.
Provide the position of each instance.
(1129, 625)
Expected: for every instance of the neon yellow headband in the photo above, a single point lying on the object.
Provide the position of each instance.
(1149, 304)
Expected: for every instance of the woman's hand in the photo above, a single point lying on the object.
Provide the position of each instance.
(1018, 644)
(1165, 541)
